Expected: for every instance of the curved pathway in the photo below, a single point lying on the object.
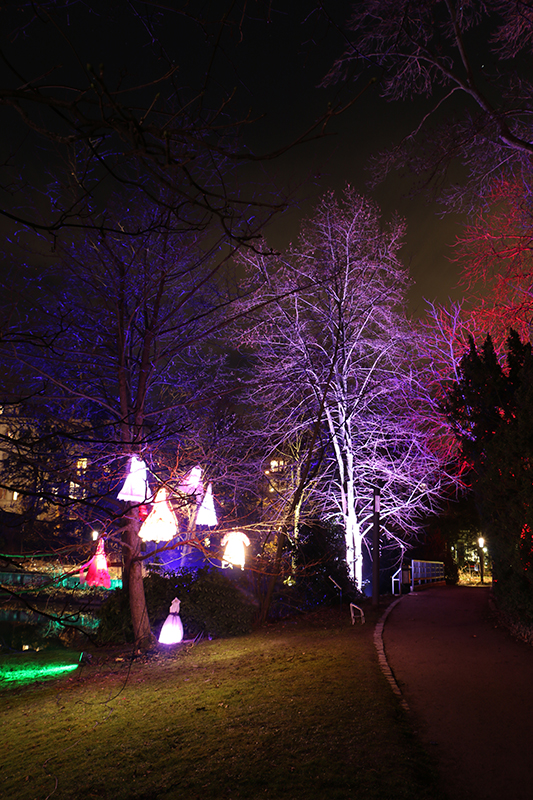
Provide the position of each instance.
(469, 687)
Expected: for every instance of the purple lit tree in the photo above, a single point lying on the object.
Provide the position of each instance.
(337, 375)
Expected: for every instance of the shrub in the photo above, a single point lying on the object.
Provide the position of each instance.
(211, 605)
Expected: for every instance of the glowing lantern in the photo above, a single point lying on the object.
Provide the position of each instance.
(161, 524)
(135, 489)
(97, 571)
(234, 554)
(206, 513)
(192, 482)
(172, 630)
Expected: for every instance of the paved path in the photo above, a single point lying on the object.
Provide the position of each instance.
(469, 686)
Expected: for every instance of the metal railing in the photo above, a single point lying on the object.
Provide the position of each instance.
(420, 573)
(424, 572)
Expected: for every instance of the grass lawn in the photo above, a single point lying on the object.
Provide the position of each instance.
(295, 710)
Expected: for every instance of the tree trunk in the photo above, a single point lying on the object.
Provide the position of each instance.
(265, 604)
(133, 579)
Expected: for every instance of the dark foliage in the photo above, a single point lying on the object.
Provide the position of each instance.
(491, 410)
(321, 575)
(211, 605)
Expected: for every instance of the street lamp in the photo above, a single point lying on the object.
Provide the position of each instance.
(375, 548)
(481, 543)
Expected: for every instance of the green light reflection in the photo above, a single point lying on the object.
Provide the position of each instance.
(27, 673)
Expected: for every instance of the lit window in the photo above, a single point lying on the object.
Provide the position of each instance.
(15, 495)
(76, 491)
(277, 464)
(81, 464)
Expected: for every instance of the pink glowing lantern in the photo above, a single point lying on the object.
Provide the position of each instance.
(191, 483)
(135, 489)
(234, 554)
(97, 572)
(172, 630)
(206, 513)
(161, 524)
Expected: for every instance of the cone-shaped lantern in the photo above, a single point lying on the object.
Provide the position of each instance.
(97, 572)
(135, 489)
(206, 513)
(161, 524)
(191, 483)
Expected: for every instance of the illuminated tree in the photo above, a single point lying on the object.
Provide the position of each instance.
(336, 370)
(117, 359)
(495, 251)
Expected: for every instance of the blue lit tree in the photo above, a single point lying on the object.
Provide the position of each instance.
(116, 356)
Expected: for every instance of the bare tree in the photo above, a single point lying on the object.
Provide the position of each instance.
(465, 59)
(144, 97)
(336, 368)
(118, 361)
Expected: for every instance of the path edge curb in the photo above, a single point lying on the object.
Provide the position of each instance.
(382, 657)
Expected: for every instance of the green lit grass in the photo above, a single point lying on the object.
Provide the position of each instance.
(293, 711)
(30, 674)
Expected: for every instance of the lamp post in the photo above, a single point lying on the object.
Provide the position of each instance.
(375, 547)
(481, 543)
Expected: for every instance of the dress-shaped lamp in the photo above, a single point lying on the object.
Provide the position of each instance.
(191, 483)
(97, 572)
(234, 554)
(135, 489)
(172, 630)
(206, 513)
(161, 524)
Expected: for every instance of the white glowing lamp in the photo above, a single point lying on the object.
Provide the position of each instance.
(135, 489)
(234, 554)
(161, 524)
(206, 513)
(191, 482)
(97, 571)
(172, 630)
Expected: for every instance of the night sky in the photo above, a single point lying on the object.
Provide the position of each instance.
(284, 66)
(275, 70)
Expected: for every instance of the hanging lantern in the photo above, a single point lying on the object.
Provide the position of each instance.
(191, 483)
(161, 524)
(206, 513)
(172, 630)
(97, 572)
(135, 489)
(234, 554)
